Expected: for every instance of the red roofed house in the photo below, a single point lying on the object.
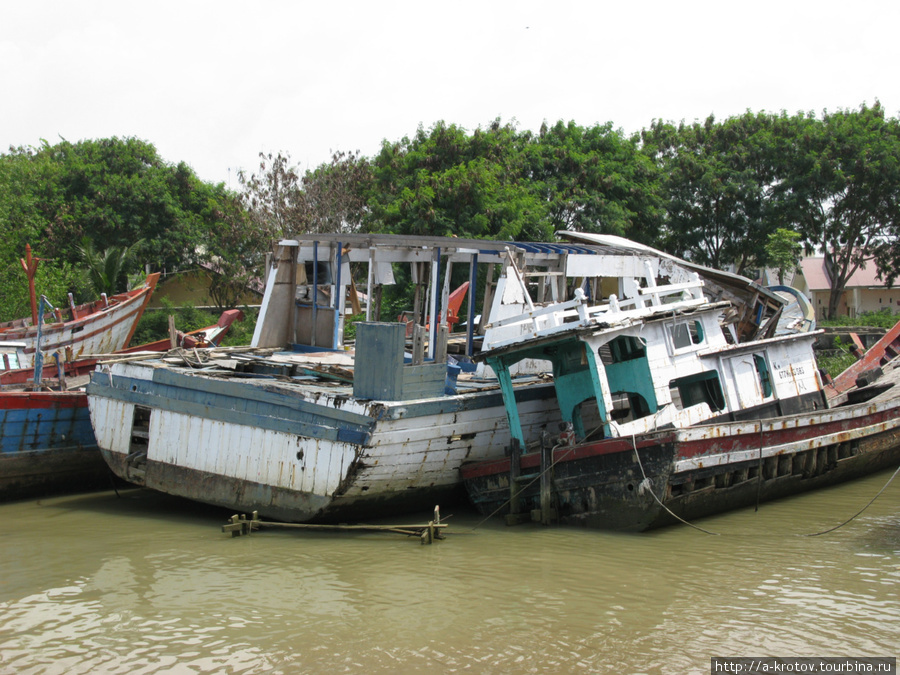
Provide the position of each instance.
(865, 292)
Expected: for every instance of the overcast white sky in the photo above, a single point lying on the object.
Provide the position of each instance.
(214, 83)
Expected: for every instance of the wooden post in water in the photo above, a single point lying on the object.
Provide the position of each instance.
(546, 481)
(515, 470)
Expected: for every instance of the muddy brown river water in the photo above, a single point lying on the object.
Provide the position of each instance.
(143, 583)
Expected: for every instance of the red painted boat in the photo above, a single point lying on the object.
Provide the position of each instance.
(78, 331)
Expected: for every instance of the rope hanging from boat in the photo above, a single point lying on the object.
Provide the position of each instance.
(871, 501)
(647, 486)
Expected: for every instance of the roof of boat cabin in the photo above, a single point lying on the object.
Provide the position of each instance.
(570, 242)
(596, 327)
(365, 240)
(621, 245)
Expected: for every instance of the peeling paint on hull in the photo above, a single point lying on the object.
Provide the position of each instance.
(47, 445)
(702, 470)
(293, 455)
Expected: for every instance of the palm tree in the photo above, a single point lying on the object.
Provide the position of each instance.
(106, 268)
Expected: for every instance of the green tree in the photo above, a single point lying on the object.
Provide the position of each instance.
(446, 182)
(334, 194)
(113, 191)
(22, 221)
(596, 180)
(117, 191)
(273, 197)
(783, 251)
(235, 254)
(718, 176)
(841, 190)
(107, 270)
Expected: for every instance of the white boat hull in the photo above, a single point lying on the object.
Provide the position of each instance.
(300, 457)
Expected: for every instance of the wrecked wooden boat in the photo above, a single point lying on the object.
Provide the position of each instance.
(304, 426)
(669, 414)
(47, 444)
(75, 332)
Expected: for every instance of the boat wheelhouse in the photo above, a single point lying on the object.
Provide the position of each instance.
(667, 414)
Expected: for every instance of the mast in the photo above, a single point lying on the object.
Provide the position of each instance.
(30, 266)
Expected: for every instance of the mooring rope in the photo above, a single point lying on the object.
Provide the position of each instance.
(647, 485)
(871, 501)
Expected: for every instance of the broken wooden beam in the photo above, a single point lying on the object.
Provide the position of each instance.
(239, 525)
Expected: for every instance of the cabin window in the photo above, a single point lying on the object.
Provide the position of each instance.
(695, 389)
(625, 348)
(10, 362)
(587, 420)
(624, 360)
(628, 406)
(686, 334)
(322, 269)
(765, 379)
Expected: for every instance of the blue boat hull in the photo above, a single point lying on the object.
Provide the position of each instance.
(47, 446)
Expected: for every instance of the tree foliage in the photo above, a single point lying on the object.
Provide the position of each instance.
(726, 193)
(447, 182)
(111, 192)
(273, 198)
(500, 183)
(105, 269)
(783, 251)
(717, 181)
(595, 180)
(839, 188)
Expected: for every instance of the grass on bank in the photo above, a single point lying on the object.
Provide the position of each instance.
(838, 362)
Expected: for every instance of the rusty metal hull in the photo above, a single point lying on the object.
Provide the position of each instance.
(655, 479)
(47, 445)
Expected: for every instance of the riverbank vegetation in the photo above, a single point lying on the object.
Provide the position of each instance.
(719, 192)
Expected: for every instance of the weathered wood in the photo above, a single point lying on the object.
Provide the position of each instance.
(418, 348)
(240, 525)
(440, 352)
(546, 480)
(515, 470)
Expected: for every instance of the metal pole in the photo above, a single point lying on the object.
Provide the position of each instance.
(315, 293)
(435, 302)
(470, 323)
(337, 298)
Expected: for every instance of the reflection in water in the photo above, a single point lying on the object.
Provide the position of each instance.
(149, 584)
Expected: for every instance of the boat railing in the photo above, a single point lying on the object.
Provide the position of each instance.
(576, 313)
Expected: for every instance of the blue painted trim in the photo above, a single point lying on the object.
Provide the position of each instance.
(263, 407)
(312, 349)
